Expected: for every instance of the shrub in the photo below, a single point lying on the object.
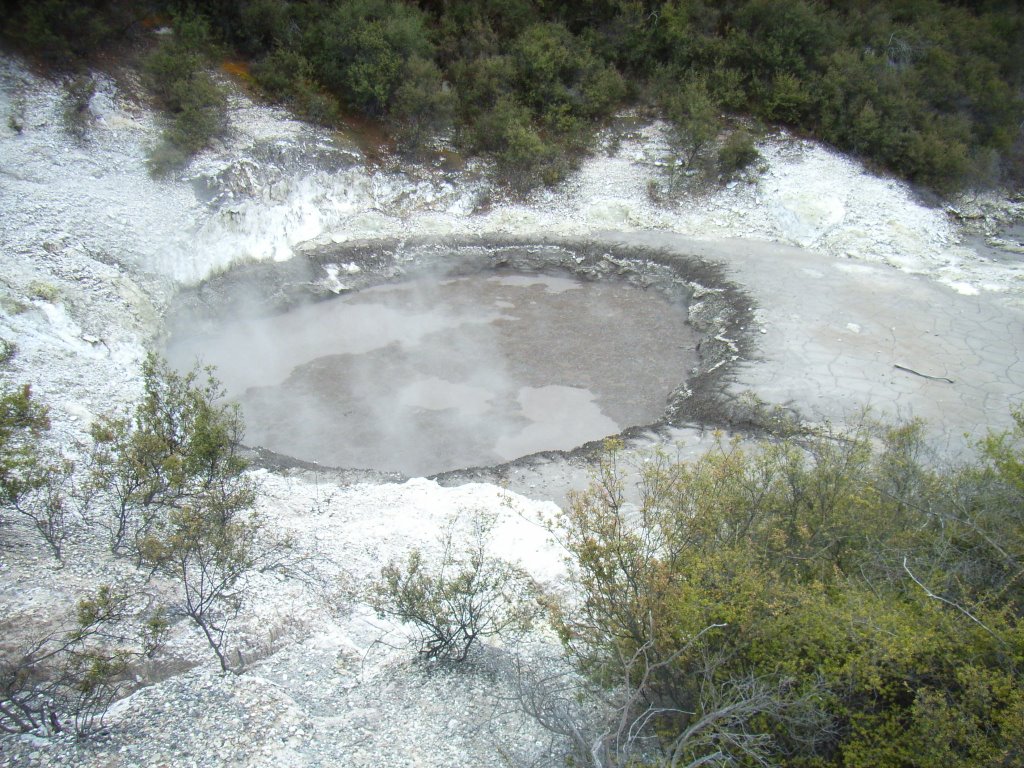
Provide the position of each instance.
(78, 94)
(8, 349)
(264, 24)
(421, 106)
(196, 105)
(200, 114)
(359, 49)
(165, 158)
(481, 83)
(468, 596)
(788, 100)
(737, 153)
(60, 30)
(827, 599)
(316, 106)
(76, 671)
(179, 448)
(776, 36)
(556, 72)
(39, 289)
(174, 493)
(33, 480)
(693, 115)
(281, 73)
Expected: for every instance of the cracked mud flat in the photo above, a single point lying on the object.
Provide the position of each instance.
(848, 293)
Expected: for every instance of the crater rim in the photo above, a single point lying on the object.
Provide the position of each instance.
(720, 312)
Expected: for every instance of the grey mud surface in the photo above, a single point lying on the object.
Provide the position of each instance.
(831, 337)
(834, 337)
(823, 338)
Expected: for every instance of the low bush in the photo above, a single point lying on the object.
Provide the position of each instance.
(65, 679)
(467, 596)
(820, 599)
(737, 153)
(77, 97)
(8, 349)
(422, 107)
(281, 73)
(195, 104)
(39, 289)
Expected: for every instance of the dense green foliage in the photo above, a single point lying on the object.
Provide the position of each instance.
(814, 601)
(929, 89)
(175, 74)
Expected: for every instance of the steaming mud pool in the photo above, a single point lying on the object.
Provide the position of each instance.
(430, 374)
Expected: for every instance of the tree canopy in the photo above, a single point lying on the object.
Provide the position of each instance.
(930, 90)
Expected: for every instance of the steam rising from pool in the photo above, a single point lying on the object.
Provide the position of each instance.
(435, 374)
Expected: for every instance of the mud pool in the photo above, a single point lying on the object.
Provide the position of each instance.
(433, 374)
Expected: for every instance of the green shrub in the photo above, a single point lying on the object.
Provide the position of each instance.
(782, 36)
(560, 78)
(737, 153)
(8, 349)
(174, 494)
(694, 116)
(523, 158)
(466, 597)
(264, 25)
(201, 113)
(928, 89)
(33, 478)
(282, 73)
(317, 106)
(65, 679)
(38, 289)
(359, 49)
(421, 106)
(481, 83)
(788, 100)
(825, 599)
(195, 104)
(61, 31)
(176, 59)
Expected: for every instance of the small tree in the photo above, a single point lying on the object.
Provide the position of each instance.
(421, 106)
(194, 102)
(470, 595)
(736, 154)
(179, 449)
(694, 117)
(177, 497)
(32, 480)
(22, 424)
(208, 554)
(76, 671)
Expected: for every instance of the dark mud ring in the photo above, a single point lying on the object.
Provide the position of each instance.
(719, 310)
